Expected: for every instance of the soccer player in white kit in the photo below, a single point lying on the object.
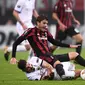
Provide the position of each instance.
(23, 12)
(69, 68)
(34, 66)
(42, 73)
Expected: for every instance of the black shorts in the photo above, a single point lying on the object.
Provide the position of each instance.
(51, 59)
(61, 58)
(71, 31)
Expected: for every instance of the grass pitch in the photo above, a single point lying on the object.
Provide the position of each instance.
(11, 75)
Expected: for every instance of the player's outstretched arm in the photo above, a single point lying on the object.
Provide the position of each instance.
(15, 44)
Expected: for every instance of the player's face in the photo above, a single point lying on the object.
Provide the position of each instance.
(29, 68)
(43, 24)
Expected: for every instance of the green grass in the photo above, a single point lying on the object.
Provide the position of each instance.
(10, 75)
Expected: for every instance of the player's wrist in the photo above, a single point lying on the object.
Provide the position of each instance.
(13, 57)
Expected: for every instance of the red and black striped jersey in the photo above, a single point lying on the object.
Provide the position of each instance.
(63, 8)
(38, 40)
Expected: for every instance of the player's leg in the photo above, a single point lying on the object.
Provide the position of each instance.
(25, 43)
(59, 67)
(79, 40)
(71, 56)
(69, 70)
(20, 48)
(60, 36)
(69, 75)
(75, 56)
(75, 34)
(23, 47)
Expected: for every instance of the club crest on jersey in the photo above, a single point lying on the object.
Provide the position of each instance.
(18, 6)
(42, 38)
(68, 9)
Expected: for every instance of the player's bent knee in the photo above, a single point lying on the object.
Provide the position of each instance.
(79, 39)
(73, 55)
(59, 69)
(57, 62)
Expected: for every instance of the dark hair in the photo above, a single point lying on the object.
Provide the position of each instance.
(22, 65)
(41, 18)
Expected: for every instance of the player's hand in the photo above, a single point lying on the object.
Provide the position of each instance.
(13, 61)
(24, 26)
(62, 27)
(74, 46)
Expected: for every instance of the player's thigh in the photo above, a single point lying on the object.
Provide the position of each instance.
(72, 55)
(19, 29)
(72, 31)
(78, 37)
(61, 35)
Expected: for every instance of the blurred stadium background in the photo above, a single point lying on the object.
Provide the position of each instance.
(7, 22)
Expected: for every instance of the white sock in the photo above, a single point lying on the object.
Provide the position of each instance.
(20, 48)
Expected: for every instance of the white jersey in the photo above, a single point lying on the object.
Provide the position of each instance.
(39, 71)
(25, 9)
(36, 75)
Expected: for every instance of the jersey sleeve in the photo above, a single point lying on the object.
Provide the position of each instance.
(19, 5)
(57, 7)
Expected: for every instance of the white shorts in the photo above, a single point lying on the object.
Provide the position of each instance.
(69, 71)
(20, 30)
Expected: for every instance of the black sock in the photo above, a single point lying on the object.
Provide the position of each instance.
(80, 60)
(59, 69)
(78, 50)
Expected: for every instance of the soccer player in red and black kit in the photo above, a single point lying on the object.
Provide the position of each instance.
(64, 16)
(38, 38)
